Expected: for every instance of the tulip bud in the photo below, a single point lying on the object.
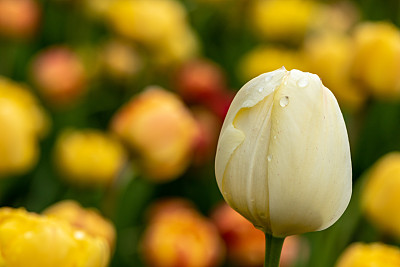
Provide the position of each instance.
(120, 60)
(380, 197)
(19, 18)
(23, 123)
(377, 58)
(182, 45)
(89, 157)
(197, 80)
(180, 236)
(166, 34)
(246, 245)
(370, 255)
(160, 17)
(271, 18)
(88, 220)
(331, 57)
(160, 129)
(283, 156)
(59, 75)
(28, 239)
(168, 206)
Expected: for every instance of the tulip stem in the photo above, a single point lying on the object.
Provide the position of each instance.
(273, 248)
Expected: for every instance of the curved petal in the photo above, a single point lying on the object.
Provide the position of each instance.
(310, 172)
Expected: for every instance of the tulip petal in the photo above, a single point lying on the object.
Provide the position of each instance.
(311, 165)
(247, 97)
(241, 146)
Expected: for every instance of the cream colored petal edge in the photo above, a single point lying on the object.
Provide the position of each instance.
(248, 96)
(230, 139)
(310, 172)
(245, 180)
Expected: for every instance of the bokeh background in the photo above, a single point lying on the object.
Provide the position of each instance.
(116, 105)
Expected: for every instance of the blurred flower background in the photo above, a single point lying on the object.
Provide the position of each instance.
(110, 112)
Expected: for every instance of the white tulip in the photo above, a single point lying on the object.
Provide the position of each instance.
(283, 158)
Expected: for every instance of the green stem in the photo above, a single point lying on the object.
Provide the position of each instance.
(273, 248)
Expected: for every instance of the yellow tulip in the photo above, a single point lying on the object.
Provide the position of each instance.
(381, 194)
(370, 255)
(27, 239)
(268, 58)
(377, 58)
(120, 60)
(88, 220)
(24, 122)
(89, 157)
(178, 48)
(146, 21)
(283, 157)
(331, 57)
(287, 20)
(20, 94)
(160, 25)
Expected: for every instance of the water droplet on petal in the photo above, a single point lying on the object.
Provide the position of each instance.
(274, 136)
(269, 158)
(284, 101)
(260, 89)
(79, 235)
(285, 82)
(268, 78)
(303, 82)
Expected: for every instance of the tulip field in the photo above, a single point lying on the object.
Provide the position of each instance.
(199, 133)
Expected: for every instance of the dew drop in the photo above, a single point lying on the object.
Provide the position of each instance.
(303, 82)
(284, 101)
(268, 78)
(269, 158)
(275, 137)
(285, 82)
(260, 89)
(79, 235)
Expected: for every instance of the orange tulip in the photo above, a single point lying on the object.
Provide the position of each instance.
(59, 75)
(181, 237)
(19, 18)
(246, 244)
(160, 129)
